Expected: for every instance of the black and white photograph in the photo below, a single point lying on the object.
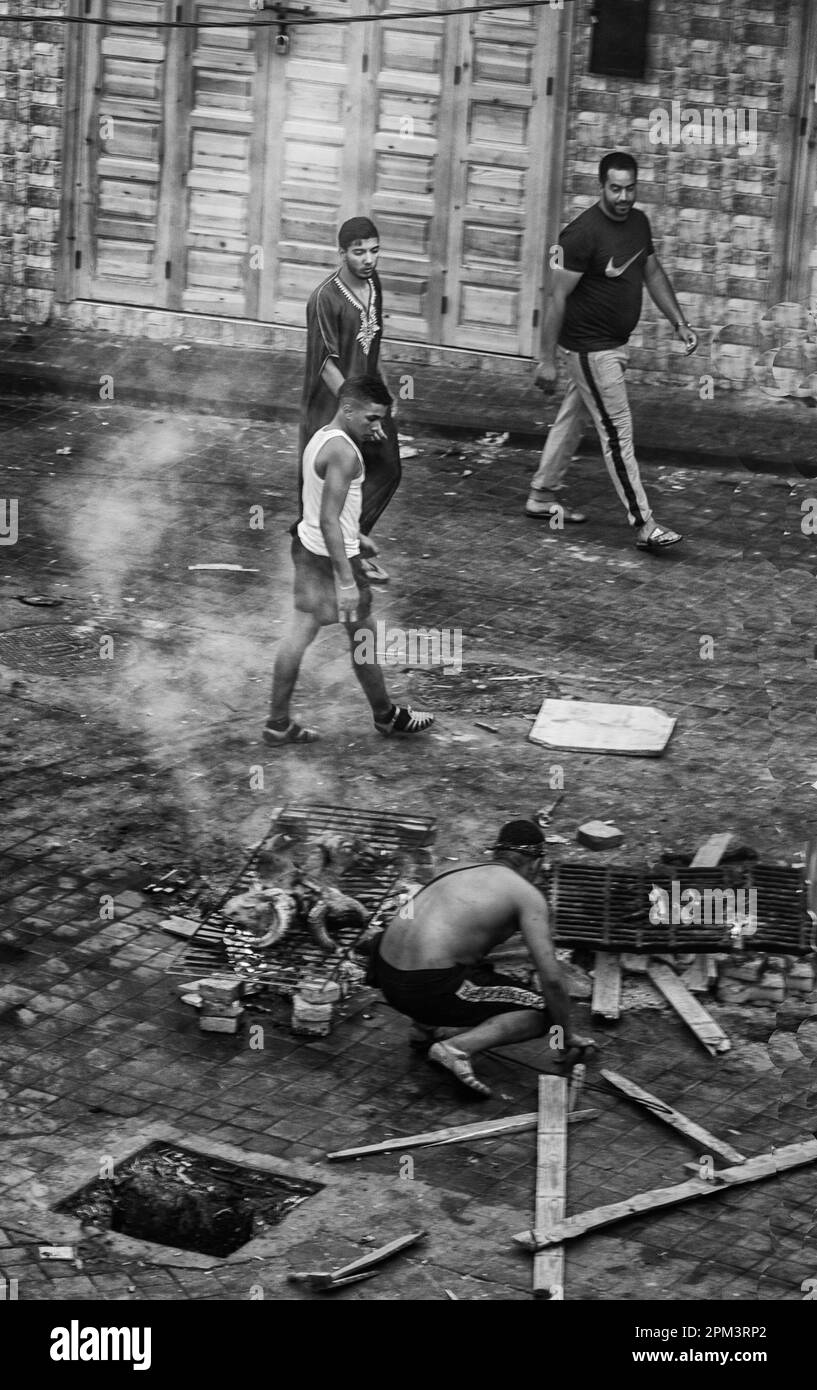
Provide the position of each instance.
(408, 667)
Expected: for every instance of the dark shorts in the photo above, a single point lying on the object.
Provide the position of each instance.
(466, 994)
(315, 585)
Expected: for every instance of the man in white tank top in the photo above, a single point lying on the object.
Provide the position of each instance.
(330, 582)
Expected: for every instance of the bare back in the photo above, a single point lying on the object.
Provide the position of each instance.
(459, 917)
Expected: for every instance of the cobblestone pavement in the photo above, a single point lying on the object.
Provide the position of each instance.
(122, 761)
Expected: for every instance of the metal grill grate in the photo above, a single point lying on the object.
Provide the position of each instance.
(608, 908)
(398, 845)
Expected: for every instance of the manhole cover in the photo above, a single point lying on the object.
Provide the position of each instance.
(482, 689)
(51, 649)
(175, 1196)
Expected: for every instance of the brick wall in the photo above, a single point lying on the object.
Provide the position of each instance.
(31, 69)
(711, 205)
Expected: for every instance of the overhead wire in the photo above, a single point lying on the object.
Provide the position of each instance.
(281, 17)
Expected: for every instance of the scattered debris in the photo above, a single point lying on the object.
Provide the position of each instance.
(753, 1170)
(597, 834)
(236, 569)
(320, 1281)
(489, 727)
(589, 726)
(180, 926)
(57, 1252)
(664, 1112)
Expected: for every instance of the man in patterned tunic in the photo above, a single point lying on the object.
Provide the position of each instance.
(430, 961)
(344, 321)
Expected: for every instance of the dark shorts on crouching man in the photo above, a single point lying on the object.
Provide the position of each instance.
(466, 994)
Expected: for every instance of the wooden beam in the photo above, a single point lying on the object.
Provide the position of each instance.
(707, 856)
(753, 1170)
(711, 851)
(665, 1112)
(606, 1001)
(551, 1183)
(576, 1084)
(694, 1014)
(482, 1129)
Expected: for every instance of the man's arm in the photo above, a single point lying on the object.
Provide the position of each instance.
(332, 375)
(535, 929)
(341, 466)
(563, 283)
(663, 296)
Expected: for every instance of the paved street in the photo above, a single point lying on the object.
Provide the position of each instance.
(125, 759)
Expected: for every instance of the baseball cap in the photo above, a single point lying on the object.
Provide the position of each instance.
(521, 836)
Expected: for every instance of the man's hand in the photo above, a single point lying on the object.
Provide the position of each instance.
(348, 597)
(575, 1048)
(688, 338)
(367, 546)
(546, 376)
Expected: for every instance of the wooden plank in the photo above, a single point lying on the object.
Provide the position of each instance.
(665, 1112)
(710, 853)
(753, 1170)
(551, 1183)
(576, 1085)
(482, 1129)
(606, 1001)
(694, 1014)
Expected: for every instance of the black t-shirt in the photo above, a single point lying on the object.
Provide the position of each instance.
(605, 306)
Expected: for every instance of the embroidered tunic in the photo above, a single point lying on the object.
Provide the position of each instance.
(341, 329)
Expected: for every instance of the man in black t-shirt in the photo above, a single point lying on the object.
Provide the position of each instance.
(607, 256)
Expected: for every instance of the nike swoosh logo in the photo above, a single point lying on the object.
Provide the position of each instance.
(612, 270)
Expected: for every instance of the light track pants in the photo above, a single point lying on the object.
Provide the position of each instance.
(597, 385)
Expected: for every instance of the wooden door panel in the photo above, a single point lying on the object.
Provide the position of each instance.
(214, 241)
(310, 169)
(406, 174)
(497, 217)
(121, 255)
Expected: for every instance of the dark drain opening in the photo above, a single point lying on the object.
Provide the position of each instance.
(178, 1197)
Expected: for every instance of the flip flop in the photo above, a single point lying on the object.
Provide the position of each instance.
(558, 509)
(374, 572)
(459, 1064)
(660, 538)
(294, 734)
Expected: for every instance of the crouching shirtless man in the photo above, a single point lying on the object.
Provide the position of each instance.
(430, 960)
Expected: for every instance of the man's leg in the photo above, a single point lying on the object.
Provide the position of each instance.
(302, 631)
(456, 1052)
(560, 445)
(599, 377)
(389, 718)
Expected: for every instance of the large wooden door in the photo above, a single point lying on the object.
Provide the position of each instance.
(216, 170)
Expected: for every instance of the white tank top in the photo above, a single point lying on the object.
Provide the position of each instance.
(309, 529)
